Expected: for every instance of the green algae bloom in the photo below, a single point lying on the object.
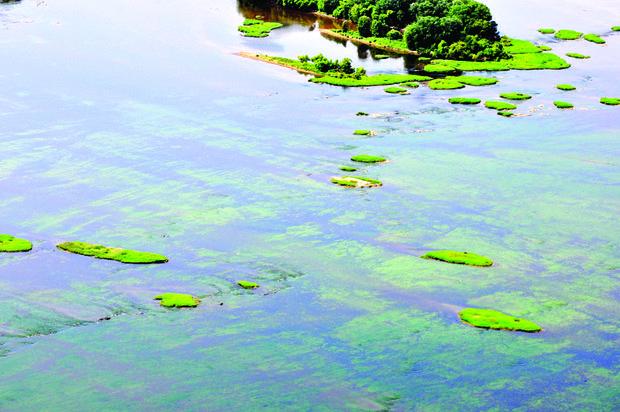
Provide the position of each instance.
(365, 158)
(104, 252)
(436, 68)
(258, 28)
(412, 85)
(610, 101)
(246, 284)
(445, 84)
(577, 55)
(460, 258)
(177, 300)
(13, 244)
(505, 113)
(497, 105)
(594, 38)
(474, 80)
(515, 96)
(563, 105)
(492, 319)
(362, 132)
(568, 35)
(396, 90)
(464, 100)
(348, 168)
(566, 87)
(356, 182)
(546, 30)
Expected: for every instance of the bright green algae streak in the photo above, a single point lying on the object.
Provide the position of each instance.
(177, 300)
(464, 100)
(577, 55)
(594, 38)
(258, 28)
(563, 105)
(461, 258)
(445, 84)
(395, 90)
(365, 158)
(546, 30)
(104, 252)
(610, 101)
(492, 319)
(515, 96)
(246, 284)
(10, 243)
(566, 87)
(497, 105)
(568, 35)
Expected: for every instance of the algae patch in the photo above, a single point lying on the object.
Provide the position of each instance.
(13, 244)
(104, 252)
(246, 284)
(546, 30)
(365, 158)
(362, 132)
(460, 258)
(356, 182)
(177, 300)
(492, 319)
(348, 168)
(445, 84)
(396, 90)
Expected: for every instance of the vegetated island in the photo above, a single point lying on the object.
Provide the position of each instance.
(258, 28)
(111, 253)
(12, 244)
(462, 33)
(493, 319)
(177, 300)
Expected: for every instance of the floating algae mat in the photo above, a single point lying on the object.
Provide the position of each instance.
(546, 30)
(362, 132)
(473, 80)
(112, 253)
(461, 258)
(12, 244)
(492, 319)
(356, 182)
(593, 38)
(258, 28)
(177, 300)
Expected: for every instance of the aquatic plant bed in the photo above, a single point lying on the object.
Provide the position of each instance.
(563, 105)
(356, 182)
(362, 132)
(566, 87)
(546, 30)
(474, 80)
(110, 253)
(610, 101)
(12, 244)
(365, 158)
(177, 300)
(464, 100)
(258, 28)
(577, 55)
(515, 96)
(366, 81)
(445, 84)
(593, 38)
(436, 68)
(492, 319)
(460, 258)
(246, 284)
(381, 43)
(525, 61)
(498, 105)
(396, 90)
(568, 35)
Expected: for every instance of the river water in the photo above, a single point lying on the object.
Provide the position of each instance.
(134, 124)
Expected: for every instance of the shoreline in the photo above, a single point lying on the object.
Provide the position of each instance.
(263, 58)
(355, 40)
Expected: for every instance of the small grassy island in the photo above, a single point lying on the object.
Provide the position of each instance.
(362, 132)
(464, 100)
(546, 30)
(348, 168)
(460, 258)
(104, 252)
(568, 34)
(566, 87)
(563, 105)
(577, 55)
(594, 38)
(498, 105)
(515, 96)
(12, 244)
(492, 319)
(396, 90)
(177, 300)
(246, 284)
(258, 28)
(445, 84)
(610, 101)
(356, 182)
(365, 158)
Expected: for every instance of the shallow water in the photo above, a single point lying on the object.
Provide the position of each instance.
(134, 124)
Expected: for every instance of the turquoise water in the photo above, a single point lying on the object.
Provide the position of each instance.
(136, 125)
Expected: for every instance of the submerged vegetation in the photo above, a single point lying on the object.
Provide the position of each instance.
(12, 244)
(104, 252)
(177, 300)
(258, 28)
(492, 319)
(460, 258)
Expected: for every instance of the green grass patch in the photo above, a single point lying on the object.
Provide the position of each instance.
(505, 113)
(362, 132)
(615, 28)
(445, 84)
(436, 68)
(12, 244)
(361, 114)
(177, 300)
(246, 284)
(518, 46)
(464, 100)
(348, 168)
(594, 38)
(365, 81)
(396, 90)
(577, 55)
(104, 252)
(396, 46)
(459, 258)
(356, 181)
(492, 319)
(610, 101)
(497, 105)
(568, 35)
(563, 105)
(544, 48)
(365, 158)
(526, 61)
(566, 87)
(474, 80)
(258, 28)
(411, 85)
(546, 30)
(515, 96)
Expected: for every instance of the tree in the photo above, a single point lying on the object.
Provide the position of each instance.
(363, 26)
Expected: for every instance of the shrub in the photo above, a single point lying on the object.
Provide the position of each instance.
(364, 26)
